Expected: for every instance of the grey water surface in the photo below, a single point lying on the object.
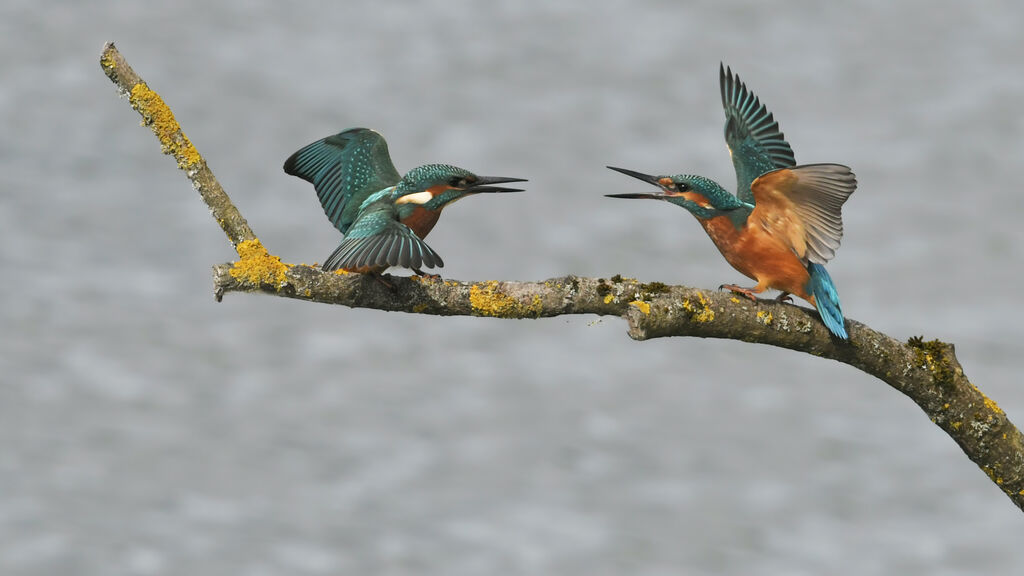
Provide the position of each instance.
(146, 429)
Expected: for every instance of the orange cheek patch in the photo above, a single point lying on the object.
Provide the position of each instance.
(700, 199)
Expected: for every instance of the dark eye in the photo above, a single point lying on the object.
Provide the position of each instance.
(457, 182)
(683, 187)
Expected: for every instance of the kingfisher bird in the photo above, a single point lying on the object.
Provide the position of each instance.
(383, 216)
(785, 222)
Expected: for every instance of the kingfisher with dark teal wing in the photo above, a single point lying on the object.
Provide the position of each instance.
(384, 216)
(785, 222)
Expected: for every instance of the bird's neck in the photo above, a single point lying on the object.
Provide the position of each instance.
(723, 230)
(419, 218)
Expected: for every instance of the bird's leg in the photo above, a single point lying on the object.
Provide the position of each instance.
(784, 297)
(748, 292)
(426, 276)
(379, 277)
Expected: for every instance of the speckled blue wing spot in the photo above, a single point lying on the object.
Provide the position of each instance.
(345, 169)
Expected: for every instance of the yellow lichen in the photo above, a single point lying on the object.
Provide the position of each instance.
(419, 308)
(342, 272)
(487, 300)
(608, 298)
(765, 317)
(641, 306)
(258, 266)
(989, 403)
(957, 425)
(702, 314)
(106, 61)
(157, 115)
(734, 300)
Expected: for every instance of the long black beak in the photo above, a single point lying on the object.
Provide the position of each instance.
(639, 176)
(483, 184)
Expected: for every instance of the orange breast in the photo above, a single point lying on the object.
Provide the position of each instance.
(759, 254)
(422, 221)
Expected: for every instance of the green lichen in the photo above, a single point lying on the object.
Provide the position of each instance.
(655, 287)
(617, 278)
(931, 355)
(602, 288)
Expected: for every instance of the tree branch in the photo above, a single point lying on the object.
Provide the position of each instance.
(927, 372)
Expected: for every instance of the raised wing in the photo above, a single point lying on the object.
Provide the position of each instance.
(379, 239)
(755, 142)
(345, 169)
(803, 204)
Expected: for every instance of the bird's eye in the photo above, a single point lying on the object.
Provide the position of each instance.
(683, 187)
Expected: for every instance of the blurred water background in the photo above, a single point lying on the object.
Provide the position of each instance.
(146, 429)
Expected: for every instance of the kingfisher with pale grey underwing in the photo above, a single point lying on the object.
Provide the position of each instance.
(384, 216)
(785, 222)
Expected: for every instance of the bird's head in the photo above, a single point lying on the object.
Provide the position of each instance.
(434, 186)
(703, 197)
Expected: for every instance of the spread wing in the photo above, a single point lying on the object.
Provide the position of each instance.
(378, 238)
(755, 142)
(803, 204)
(345, 169)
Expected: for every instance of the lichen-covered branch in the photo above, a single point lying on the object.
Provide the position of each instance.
(927, 372)
(157, 115)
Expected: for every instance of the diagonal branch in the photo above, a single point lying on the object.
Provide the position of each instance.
(927, 372)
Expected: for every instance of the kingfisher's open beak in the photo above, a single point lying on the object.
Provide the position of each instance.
(660, 195)
(484, 184)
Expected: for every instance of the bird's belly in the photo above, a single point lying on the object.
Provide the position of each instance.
(757, 254)
(422, 221)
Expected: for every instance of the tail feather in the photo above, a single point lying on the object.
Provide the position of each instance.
(826, 299)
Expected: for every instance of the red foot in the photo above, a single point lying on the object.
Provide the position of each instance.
(739, 290)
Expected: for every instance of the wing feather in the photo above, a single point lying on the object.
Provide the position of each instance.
(755, 141)
(814, 194)
(345, 169)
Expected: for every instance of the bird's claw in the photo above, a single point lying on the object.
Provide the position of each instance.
(739, 290)
(784, 297)
(423, 275)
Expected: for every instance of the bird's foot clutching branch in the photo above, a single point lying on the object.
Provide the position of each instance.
(748, 292)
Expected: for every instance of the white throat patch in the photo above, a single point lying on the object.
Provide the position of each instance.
(417, 198)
